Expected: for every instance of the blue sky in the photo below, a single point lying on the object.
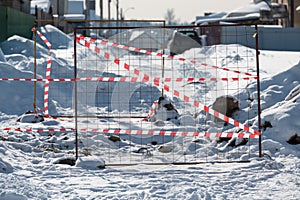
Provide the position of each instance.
(185, 10)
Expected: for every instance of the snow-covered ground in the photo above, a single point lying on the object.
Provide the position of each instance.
(29, 160)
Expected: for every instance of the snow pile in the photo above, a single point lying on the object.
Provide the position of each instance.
(282, 114)
(5, 167)
(30, 117)
(41, 165)
(11, 196)
(19, 53)
(2, 57)
(164, 111)
(57, 38)
(91, 162)
(17, 97)
(17, 45)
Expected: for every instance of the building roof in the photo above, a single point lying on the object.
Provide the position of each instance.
(249, 9)
(250, 12)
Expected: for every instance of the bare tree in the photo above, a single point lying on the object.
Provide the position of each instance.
(170, 17)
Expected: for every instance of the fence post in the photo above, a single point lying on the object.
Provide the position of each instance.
(75, 96)
(258, 91)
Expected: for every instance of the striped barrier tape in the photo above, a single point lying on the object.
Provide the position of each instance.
(48, 72)
(40, 79)
(45, 40)
(88, 42)
(139, 132)
(210, 110)
(151, 111)
(145, 78)
(186, 98)
(39, 130)
(127, 79)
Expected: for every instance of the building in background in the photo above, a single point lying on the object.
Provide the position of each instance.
(59, 7)
(15, 19)
(20, 5)
(266, 12)
(44, 5)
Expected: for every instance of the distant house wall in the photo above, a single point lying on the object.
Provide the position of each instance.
(14, 22)
(59, 7)
(43, 18)
(3, 24)
(270, 38)
(16, 4)
(20, 5)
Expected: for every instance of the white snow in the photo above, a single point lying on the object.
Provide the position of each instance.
(29, 166)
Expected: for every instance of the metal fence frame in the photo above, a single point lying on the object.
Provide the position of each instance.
(255, 35)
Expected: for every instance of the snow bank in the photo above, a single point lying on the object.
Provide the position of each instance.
(17, 62)
(16, 96)
(19, 45)
(2, 57)
(30, 117)
(280, 103)
(11, 196)
(27, 170)
(57, 38)
(91, 162)
(164, 111)
(293, 93)
(5, 167)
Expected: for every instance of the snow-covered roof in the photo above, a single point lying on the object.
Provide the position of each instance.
(245, 13)
(74, 16)
(248, 9)
(211, 16)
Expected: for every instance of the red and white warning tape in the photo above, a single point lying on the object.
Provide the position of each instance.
(172, 133)
(89, 42)
(186, 98)
(39, 130)
(138, 132)
(152, 109)
(40, 79)
(48, 72)
(210, 110)
(45, 40)
(143, 78)
(126, 79)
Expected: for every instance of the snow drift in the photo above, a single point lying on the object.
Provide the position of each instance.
(28, 160)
